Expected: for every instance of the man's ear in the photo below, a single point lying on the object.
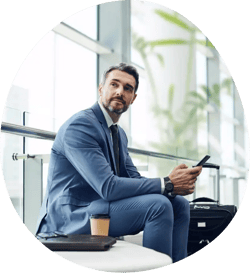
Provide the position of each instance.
(100, 89)
(135, 95)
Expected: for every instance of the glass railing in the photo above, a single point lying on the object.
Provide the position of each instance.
(35, 157)
(13, 171)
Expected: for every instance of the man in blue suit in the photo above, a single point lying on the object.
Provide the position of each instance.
(91, 172)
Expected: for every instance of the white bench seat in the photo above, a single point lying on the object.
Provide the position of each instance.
(121, 257)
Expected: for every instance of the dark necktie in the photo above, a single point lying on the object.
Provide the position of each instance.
(114, 130)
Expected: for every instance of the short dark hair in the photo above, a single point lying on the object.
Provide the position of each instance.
(125, 68)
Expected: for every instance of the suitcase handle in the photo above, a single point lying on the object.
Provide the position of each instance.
(204, 199)
(211, 165)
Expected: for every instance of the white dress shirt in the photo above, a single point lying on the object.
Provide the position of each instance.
(109, 123)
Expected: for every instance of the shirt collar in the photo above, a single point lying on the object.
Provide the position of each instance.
(106, 115)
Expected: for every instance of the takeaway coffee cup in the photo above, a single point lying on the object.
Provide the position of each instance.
(99, 224)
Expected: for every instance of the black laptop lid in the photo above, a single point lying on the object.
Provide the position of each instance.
(75, 242)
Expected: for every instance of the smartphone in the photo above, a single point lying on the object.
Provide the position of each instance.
(204, 160)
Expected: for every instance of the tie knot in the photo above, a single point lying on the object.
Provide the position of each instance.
(114, 129)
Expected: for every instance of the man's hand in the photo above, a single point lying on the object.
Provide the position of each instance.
(184, 179)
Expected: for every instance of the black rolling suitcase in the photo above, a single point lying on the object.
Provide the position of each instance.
(208, 218)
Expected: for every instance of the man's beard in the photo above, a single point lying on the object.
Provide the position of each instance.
(112, 110)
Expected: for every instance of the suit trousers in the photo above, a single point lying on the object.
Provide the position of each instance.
(165, 222)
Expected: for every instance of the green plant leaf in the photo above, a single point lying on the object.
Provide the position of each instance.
(166, 42)
(227, 83)
(206, 90)
(170, 95)
(199, 105)
(205, 43)
(216, 89)
(139, 42)
(198, 96)
(160, 58)
(190, 118)
(173, 19)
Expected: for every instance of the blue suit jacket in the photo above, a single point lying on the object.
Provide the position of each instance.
(81, 180)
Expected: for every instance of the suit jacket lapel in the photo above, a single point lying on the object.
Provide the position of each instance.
(98, 112)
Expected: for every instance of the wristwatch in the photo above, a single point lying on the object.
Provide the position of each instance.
(169, 187)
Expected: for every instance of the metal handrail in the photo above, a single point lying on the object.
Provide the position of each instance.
(44, 157)
(26, 131)
(48, 135)
(160, 155)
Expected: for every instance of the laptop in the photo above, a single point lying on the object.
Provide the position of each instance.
(75, 242)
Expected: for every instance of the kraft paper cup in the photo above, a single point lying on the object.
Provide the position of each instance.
(99, 224)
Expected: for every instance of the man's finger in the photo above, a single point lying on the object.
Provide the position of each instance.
(195, 170)
(181, 166)
(192, 186)
(192, 181)
(193, 176)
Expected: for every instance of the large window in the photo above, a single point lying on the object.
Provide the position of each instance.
(166, 52)
(227, 120)
(85, 22)
(36, 77)
(57, 79)
(56, 76)
(201, 87)
(75, 78)
(187, 104)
